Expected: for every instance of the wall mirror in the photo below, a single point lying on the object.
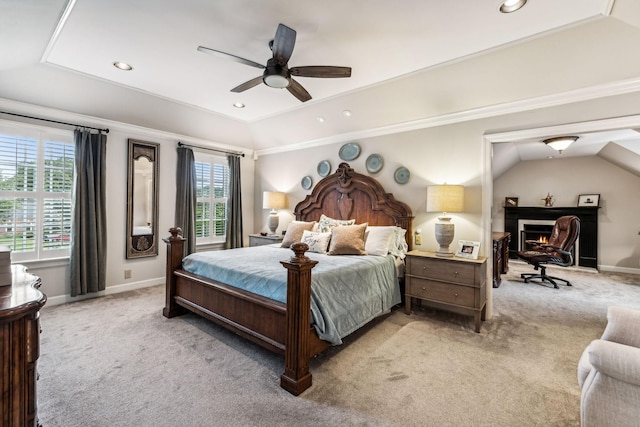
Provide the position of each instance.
(142, 199)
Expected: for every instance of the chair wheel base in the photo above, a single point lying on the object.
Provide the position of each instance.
(543, 278)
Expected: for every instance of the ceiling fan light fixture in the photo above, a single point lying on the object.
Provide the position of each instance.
(509, 6)
(560, 143)
(276, 80)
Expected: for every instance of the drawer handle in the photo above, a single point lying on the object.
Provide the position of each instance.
(455, 295)
(424, 289)
(455, 273)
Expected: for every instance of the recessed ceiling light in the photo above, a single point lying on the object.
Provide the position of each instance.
(122, 66)
(320, 119)
(238, 104)
(347, 113)
(509, 6)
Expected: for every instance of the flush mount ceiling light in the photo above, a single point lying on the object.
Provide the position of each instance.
(122, 66)
(560, 143)
(238, 104)
(512, 5)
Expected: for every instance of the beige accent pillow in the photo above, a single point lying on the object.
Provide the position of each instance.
(348, 240)
(294, 232)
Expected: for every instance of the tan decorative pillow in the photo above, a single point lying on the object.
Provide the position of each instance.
(348, 240)
(294, 232)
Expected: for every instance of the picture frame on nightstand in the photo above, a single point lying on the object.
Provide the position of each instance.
(468, 249)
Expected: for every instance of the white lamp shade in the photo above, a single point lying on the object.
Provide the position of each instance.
(445, 198)
(274, 200)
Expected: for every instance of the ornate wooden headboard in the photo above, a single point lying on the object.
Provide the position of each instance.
(347, 194)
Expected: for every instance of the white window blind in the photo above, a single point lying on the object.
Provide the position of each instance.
(212, 193)
(36, 181)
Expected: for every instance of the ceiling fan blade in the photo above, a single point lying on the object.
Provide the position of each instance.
(247, 85)
(283, 44)
(324, 71)
(298, 91)
(230, 56)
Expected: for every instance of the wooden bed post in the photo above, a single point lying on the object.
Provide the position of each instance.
(175, 245)
(296, 377)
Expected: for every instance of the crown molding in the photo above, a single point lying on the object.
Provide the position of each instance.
(620, 87)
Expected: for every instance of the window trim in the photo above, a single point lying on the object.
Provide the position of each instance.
(41, 134)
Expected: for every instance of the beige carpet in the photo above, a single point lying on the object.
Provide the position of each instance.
(116, 361)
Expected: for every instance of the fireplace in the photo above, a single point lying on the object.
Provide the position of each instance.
(539, 218)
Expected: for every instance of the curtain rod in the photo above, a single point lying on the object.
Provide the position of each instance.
(232, 153)
(54, 121)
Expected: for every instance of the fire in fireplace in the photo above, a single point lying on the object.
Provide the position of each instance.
(538, 233)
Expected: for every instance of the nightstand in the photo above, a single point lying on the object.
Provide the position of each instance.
(259, 240)
(455, 284)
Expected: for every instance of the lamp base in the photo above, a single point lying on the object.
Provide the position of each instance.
(273, 222)
(444, 236)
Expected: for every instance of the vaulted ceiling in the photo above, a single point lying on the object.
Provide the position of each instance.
(411, 61)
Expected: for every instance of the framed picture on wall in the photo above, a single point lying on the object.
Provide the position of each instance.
(589, 200)
(510, 202)
(468, 249)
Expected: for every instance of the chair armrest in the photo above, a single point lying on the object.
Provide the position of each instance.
(623, 326)
(618, 361)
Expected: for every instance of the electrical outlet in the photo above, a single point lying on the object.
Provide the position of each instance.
(418, 239)
(127, 274)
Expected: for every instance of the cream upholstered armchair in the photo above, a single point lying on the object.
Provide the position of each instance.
(609, 373)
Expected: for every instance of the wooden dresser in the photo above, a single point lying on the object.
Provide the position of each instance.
(456, 284)
(501, 241)
(20, 306)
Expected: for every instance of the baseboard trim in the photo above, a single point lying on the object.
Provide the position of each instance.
(115, 289)
(616, 269)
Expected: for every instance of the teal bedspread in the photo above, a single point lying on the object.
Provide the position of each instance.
(347, 291)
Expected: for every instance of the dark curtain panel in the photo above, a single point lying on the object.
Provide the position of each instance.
(234, 205)
(186, 198)
(88, 259)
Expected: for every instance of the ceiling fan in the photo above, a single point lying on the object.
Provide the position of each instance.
(276, 73)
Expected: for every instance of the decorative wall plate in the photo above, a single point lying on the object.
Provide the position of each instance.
(307, 182)
(349, 151)
(374, 163)
(402, 175)
(324, 167)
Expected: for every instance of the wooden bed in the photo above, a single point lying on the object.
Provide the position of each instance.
(284, 328)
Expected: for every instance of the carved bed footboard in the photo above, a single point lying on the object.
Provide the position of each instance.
(284, 329)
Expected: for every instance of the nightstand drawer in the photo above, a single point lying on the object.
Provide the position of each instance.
(450, 271)
(443, 292)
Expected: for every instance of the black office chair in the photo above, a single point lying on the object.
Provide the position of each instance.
(558, 251)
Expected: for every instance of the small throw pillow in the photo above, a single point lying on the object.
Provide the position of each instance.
(294, 232)
(317, 242)
(326, 224)
(348, 240)
(379, 240)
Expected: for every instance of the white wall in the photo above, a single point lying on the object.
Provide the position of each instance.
(145, 271)
(565, 179)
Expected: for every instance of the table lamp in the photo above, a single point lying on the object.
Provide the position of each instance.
(445, 198)
(273, 200)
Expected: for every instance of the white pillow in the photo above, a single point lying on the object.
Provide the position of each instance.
(317, 242)
(379, 240)
(398, 245)
(401, 247)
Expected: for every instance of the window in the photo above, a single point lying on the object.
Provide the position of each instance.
(212, 193)
(36, 181)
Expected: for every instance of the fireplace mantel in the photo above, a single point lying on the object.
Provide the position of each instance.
(588, 241)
